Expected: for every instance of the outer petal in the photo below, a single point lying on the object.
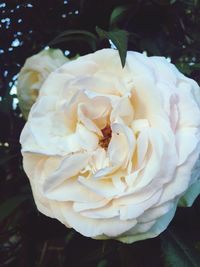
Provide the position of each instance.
(160, 225)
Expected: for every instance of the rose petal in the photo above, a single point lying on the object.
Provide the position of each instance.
(94, 227)
(69, 167)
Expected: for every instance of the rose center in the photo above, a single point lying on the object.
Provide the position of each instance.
(107, 134)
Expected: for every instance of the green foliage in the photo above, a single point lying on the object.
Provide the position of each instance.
(117, 15)
(76, 35)
(179, 252)
(119, 39)
(102, 263)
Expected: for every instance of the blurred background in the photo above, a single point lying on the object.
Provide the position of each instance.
(167, 28)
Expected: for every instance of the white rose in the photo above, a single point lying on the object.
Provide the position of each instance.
(110, 151)
(33, 74)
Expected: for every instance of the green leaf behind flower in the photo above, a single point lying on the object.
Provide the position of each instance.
(119, 39)
(76, 35)
(178, 252)
(117, 14)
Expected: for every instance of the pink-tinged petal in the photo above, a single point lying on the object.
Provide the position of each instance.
(174, 112)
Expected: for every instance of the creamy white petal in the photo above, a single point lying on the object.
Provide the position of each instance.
(133, 210)
(71, 190)
(124, 110)
(186, 142)
(104, 188)
(181, 180)
(82, 206)
(94, 227)
(69, 167)
(87, 140)
(142, 146)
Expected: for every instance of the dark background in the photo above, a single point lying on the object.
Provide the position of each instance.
(29, 239)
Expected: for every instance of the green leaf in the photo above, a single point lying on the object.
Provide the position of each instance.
(190, 195)
(116, 15)
(184, 68)
(119, 39)
(102, 263)
(196, 66)
(172, 2)
(178, 252)
(10, 205)
(75, 32)
(76, 35)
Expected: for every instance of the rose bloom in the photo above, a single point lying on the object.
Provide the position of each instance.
(32, 75)
(110, 151)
